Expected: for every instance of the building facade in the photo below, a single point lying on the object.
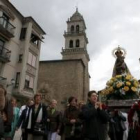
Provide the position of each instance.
(69, 76)
(20, 43)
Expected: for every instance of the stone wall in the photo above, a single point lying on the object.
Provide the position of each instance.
(65, 78)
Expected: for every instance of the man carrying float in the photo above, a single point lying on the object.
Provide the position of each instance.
(122, 90)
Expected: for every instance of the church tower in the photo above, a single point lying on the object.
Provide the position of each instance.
(75, 39)
(76, 45)
(69, 76)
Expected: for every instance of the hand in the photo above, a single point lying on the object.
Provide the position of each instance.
(58, 131)
(16, 128)
(48, 120)
(23, 130)
(98, 105)
(4, 117)
(72, 121)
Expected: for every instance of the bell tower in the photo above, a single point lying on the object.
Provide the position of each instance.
(75, 39)
(76, 46)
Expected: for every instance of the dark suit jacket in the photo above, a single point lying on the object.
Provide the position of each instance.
(94, 119)
(22, 118)
(34, 116)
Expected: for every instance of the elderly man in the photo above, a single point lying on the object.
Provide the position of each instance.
(53, 121)
(94, 117)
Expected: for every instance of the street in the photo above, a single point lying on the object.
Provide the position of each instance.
(18, 135)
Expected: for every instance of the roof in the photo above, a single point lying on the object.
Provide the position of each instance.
(66, 60)
(23, 18)
(76, 16)
(32, 19)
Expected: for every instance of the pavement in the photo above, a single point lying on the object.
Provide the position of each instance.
(18, 135)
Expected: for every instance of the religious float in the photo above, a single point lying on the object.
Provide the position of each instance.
(122, 90)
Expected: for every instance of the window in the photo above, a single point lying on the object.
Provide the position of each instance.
(34, 39)
(17, 79)
(72, 28)
(20, 58)
(77, 43)
(23, 33)
(5, 17)
(77, 28)
(29, 82)
(32, 59)
(71, 44)
(5, 21)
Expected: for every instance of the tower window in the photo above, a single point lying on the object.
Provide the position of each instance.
(72, 28)
(71, 44)
(77, 43)
(77, 28)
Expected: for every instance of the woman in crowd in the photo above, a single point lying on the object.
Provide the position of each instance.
(72, 123)
(10, 135)
(2, 106)
(53, 121)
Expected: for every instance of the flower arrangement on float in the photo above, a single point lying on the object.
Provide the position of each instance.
(121, 87)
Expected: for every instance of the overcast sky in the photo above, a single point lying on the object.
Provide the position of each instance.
(109, 23)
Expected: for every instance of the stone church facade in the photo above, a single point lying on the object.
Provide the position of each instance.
(60, 79)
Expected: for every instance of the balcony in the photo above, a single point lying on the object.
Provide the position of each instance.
(74, 50)
(74, 33)
(3, 80)
(6, 28)
(4, 54)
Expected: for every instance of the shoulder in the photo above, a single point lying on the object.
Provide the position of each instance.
(23, 107)
(86, 106)
(16, 109)
(44, 106)
(58, 112)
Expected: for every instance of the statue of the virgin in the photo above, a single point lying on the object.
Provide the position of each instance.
(120, 66)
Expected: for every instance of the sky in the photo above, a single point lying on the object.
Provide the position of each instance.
(109, 23)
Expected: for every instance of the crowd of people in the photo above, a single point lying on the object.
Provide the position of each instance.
(79, 121)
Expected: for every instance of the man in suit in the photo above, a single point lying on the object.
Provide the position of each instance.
(22, 118)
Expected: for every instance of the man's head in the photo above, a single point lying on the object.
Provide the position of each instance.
(37, 98)
(53, 103)
(2, 97)
(92, 96)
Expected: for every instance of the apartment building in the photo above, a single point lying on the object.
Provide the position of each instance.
(20, 43)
